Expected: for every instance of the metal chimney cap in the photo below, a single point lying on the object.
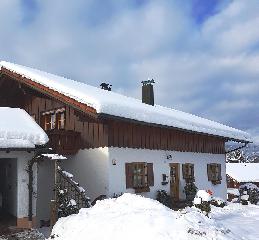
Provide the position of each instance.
(149, 81)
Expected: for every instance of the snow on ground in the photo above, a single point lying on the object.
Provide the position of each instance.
(135, 217)
(233, 191)
(111, 103)
(19, 130)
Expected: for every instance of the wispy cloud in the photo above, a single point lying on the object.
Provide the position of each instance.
(205, 60)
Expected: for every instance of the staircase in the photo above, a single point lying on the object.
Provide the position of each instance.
(70, 197)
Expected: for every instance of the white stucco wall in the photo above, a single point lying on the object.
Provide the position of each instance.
(22, 194)
(117, 179)
(90, 170)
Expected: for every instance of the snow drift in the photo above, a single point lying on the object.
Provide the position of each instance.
(135, 217)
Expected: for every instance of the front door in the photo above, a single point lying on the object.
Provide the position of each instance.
(174, 181)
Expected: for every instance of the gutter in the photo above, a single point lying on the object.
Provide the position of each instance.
(104, 116)
(235, 149)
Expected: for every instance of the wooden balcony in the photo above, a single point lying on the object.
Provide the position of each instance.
(66, 142)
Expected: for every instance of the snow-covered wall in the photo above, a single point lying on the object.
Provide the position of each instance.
(90, 170)
(117, 178)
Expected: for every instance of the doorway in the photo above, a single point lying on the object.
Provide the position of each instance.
(174, 181)
(8, 192)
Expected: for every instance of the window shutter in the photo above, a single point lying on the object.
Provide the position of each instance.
(129, 175)
(42, 122)
(185, 170)
(192, 170)
(209, 172)
(219, 172)
(150, 174)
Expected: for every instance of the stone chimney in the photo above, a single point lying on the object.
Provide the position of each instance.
(148, 92)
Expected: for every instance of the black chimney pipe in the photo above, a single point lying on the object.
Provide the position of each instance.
(148, 92)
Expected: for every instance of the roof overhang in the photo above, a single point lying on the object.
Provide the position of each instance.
(50, 92)
(90, 111)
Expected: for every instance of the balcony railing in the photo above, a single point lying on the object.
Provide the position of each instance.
(65, 142)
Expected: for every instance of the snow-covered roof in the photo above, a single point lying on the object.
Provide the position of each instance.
(243, 172)
(19, 130)
(111, 103)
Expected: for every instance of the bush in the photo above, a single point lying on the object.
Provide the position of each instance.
(202, 201)
(251, 190)
(218, 202)
(190, 190)
(204, 207)
(164, 198)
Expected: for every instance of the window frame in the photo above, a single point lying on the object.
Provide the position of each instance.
(190, 176)
(214, 173)
(50, 120)
(146, 174)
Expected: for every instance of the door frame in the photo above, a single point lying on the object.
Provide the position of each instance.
(177, 196)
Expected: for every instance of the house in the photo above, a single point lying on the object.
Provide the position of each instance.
(241, 173)
(20, 135)
(117, 144)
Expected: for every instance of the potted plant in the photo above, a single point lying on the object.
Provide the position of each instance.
(190, 190)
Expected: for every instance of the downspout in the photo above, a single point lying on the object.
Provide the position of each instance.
(30, 188)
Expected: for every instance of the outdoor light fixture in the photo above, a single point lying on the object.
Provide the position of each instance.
(169, 157)
(113, 161)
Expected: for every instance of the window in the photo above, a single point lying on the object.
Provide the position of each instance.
(54, 119)
(139, 176)
(188, 172)
(214, 173)
(60, 120)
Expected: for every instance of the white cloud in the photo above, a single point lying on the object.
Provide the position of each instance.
(209, 69)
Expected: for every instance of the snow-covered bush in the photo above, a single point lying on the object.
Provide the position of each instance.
(66, 205)
(164, 198)
(202, 201)
(218, 202)
(250, 190)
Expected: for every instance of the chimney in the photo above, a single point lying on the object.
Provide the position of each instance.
(148, 92)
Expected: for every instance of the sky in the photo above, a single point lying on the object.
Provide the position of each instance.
(203, 54)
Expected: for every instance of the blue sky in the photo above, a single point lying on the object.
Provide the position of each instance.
(203, 54)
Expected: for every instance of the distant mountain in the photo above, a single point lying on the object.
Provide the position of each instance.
(248, 154)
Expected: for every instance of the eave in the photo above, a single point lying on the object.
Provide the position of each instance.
(103, 116)
(50, 92)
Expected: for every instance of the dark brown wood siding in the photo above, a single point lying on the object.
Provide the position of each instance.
(132, 135)
(93, 133)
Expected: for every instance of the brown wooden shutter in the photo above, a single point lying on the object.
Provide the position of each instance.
(150, 174)
(58, 118)
(209, 172)
(192, 170)
(42, 121)
(129, 175)
(219, 171)
(184, 170)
